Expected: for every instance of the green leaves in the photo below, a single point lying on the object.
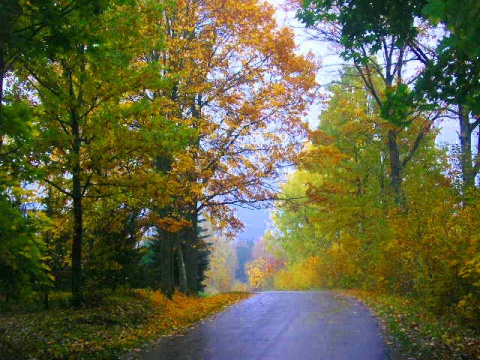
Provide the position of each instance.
(435, 10)
(460, 18)
(22, 249)
(398, 105)
(364, 23)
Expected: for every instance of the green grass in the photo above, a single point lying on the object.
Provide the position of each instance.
(204, 295)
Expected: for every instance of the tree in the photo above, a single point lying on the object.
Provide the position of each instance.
(380, 38)
(450, 66)
(460, 18)
(243, 250)
(294, 233)
(113, 232)
(262, 267)
(452, 76)
(23, 259)
(23, 251)
(92, 137)
(241, 90)
(342, 220)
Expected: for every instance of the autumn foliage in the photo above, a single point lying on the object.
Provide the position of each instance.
(304, 275)
(130, 124)
(346, 230)
(263, 267)
(123, 323)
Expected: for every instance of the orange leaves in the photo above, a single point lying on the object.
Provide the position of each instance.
(183, 310)
(319, 138)
(109, 330)
(239, 86)
(323, 156)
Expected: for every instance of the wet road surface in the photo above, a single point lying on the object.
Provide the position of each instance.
(280, 326)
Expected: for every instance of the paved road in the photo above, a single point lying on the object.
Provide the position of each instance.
(280, 326)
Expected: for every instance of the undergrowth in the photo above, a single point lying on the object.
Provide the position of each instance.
(414, 333)
(121, 323)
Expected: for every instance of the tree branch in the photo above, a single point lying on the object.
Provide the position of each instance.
(65, 192)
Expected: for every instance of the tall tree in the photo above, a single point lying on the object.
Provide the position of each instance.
(452, 76)
(358, 240)
(93, 137)
(242, 91)
(377, 37)
(450, 67)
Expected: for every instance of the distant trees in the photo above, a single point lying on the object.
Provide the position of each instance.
(220, 276)
(244, 250)
(262, 267)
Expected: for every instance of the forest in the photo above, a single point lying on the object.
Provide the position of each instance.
(131, 130)
(126, 125)
(376, 202)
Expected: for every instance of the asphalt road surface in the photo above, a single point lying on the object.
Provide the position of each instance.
(280, 326)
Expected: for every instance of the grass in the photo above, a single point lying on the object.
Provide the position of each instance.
(412, 332)
(122, 323)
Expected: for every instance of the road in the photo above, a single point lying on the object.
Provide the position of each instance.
(280, 326)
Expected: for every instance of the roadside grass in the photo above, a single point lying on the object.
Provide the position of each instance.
(121, 323)
(412, 332)
(204, 295)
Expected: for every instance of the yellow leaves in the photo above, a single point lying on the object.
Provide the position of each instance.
(257, 272)
(471, 268)
(323, 156)
(251, 85)
(183, 310)
(304, 275)
(220, 276)
(158, 300)
(261, 269)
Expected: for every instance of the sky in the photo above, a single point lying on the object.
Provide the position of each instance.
(257, 221)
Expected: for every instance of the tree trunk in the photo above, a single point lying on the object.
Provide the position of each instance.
(395, 167)
(49, 213)
(166, 265)
(77, 275)
(2, 76)
(192, 256)
(163, 164)
(192, 261)
(468, 175)
(181, 265)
